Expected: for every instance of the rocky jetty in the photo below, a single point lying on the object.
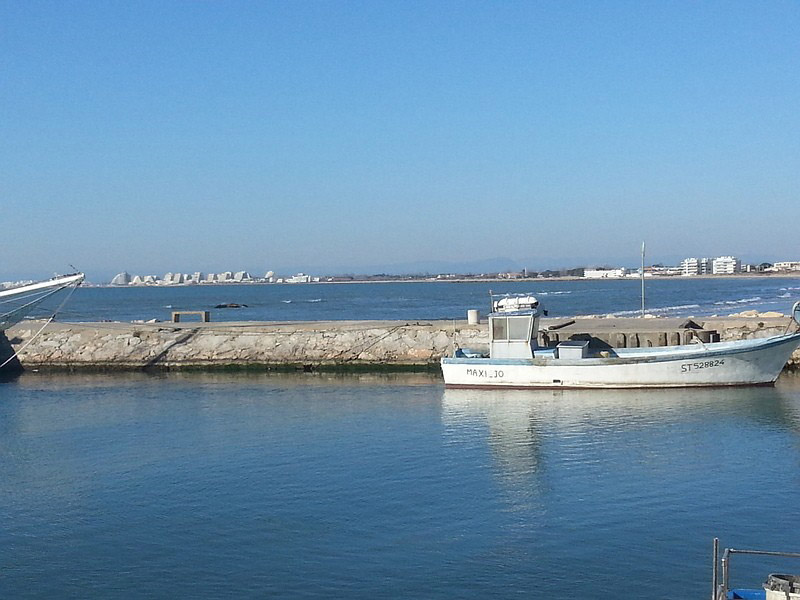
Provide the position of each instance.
(333, 344)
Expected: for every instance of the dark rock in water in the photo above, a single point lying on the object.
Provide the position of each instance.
(231, 305)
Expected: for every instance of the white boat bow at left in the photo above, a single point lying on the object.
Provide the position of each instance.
(516, 361)
(18, 302)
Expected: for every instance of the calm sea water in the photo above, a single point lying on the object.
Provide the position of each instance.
(322, 486)
(308, 302)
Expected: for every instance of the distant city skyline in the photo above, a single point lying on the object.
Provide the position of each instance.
(492, 265)
(702, 265)
(365, 137)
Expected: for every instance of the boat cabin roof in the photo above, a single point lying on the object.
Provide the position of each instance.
(513, 303)
(516, 313)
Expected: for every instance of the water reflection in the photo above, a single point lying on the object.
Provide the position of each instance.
(580, 409)
(509, 424)
(347, 486)
(136, 420)
(520, 428)
(39, 402)
(66, 380)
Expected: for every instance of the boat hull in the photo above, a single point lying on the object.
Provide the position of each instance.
(748, 362)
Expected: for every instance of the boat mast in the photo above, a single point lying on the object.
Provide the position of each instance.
(642, 276)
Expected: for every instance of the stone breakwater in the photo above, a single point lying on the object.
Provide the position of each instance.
(298, 344)
(334, 344)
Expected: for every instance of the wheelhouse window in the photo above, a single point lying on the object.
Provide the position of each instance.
(511, 328)
(499, 328)
(518, 328)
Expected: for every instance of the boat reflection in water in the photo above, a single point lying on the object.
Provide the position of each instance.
(529, 431)
(570, 409)
(511, 426)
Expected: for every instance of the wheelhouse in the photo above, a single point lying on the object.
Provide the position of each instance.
(513, 326)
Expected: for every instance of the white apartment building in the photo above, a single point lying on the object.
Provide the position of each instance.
(787, 265)
(695, 266)
(726, 265)
(195, 277)
(605, 273)
(121, 279)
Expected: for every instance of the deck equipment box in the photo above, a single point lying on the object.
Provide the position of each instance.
(573, 349)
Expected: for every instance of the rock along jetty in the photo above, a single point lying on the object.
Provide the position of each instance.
(363, 345)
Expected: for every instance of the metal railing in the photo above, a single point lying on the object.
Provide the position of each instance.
(719, 590)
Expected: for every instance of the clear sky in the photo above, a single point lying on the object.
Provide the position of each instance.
(340, 136)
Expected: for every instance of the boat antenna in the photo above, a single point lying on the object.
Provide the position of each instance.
(642, 275)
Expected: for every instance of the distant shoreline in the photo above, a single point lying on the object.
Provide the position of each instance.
(788, 275)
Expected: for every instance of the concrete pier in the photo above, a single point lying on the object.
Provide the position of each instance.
(332, 344)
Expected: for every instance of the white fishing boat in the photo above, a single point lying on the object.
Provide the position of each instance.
(515, 360)
(18, 302)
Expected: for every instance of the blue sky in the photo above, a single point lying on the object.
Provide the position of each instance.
(346, 136)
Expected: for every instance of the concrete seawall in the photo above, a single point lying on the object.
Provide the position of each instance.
(333, 344)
